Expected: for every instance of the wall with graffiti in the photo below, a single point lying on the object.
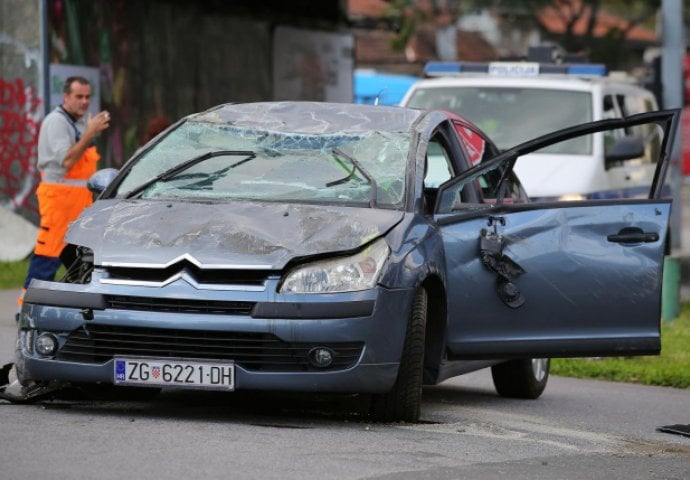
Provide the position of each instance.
(155, 62)
(21, 106)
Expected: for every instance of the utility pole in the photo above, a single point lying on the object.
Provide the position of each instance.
(672, 87)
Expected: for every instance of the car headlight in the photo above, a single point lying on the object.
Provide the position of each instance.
(345, 274)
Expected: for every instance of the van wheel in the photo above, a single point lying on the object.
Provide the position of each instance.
(521, 378)
(402, 403)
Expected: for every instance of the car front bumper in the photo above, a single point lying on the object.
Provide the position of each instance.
(369, 326)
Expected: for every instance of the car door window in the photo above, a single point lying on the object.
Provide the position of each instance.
(495, 183)
(438, 167)
(493, 187)
(477, 147)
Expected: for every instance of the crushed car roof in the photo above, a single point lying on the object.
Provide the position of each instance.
(312, 117)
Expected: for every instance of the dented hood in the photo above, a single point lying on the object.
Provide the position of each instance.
(241, 233)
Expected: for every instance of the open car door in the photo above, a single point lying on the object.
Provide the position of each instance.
(579, 278)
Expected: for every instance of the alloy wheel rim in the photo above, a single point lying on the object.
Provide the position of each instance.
(539, 366)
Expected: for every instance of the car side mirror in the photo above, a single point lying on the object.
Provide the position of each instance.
(100, 180)
(625, 148)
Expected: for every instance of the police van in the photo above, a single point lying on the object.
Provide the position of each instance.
(515, 101)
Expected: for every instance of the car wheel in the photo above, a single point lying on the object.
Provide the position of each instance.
(521, 378)
(402, 402)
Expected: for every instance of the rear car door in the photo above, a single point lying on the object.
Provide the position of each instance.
(554, 279)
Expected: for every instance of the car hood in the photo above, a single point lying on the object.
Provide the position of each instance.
(241, 234)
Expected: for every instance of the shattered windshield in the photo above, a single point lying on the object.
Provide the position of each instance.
(349, 168)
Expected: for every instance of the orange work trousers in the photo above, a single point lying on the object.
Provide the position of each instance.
(59, 205)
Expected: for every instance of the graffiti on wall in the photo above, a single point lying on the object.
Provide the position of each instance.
(19, 117)
(20, 114)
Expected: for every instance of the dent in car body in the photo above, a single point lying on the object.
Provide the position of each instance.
(309, 117)
(158, 232)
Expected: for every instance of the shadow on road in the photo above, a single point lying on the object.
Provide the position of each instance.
(271, 409)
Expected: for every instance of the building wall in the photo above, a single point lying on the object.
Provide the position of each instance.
(154, 58)
(21, 73)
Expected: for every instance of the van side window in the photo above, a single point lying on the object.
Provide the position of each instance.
(611, 110)
(623, 105)
(650, 134)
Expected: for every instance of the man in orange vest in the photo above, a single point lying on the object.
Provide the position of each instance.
(66, 159)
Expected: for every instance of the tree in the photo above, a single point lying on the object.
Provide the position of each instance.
(582, 24)
(610, 47)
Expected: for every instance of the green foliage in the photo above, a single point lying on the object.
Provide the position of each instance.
(670, 369)
(12, 274)
(403, 15)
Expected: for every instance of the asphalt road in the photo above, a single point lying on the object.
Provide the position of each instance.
(578, 429)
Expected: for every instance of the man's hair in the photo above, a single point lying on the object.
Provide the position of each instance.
(67, 88)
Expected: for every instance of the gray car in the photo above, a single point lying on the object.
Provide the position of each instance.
(319, 247)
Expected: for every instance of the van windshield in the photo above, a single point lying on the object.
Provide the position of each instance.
(513, 115)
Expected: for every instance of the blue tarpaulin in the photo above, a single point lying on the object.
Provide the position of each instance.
(388, 88)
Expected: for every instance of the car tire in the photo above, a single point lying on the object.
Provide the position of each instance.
(402, 403)
(524, 378)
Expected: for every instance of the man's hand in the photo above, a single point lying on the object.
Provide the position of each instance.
(95, 124)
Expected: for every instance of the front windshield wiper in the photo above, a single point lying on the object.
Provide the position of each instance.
(190, 163)
(357, 166)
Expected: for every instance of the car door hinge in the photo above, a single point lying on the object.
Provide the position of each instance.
(496, 221)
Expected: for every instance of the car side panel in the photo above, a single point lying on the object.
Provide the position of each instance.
(584, 294)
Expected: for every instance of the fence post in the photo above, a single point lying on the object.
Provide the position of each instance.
(670, 289)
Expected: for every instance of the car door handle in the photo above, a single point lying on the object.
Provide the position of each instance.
(633, 235)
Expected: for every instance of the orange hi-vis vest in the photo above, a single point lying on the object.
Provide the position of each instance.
(60, 203)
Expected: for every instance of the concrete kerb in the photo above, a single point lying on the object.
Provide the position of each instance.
(18, 234)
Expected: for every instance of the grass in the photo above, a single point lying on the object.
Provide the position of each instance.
(670, 369)
(12, 274)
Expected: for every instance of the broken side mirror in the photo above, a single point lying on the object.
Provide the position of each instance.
(100, 180)
(625, 148)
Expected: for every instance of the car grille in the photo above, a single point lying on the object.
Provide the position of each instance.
(252, 351)
(203, 276)
(160, 304)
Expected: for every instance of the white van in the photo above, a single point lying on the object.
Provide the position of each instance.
(515, 101)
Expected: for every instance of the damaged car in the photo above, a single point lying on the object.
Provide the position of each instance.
(316, 247)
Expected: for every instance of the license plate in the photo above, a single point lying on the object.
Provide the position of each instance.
(174, 372)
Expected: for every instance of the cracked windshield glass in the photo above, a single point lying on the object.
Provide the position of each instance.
(343, 168)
